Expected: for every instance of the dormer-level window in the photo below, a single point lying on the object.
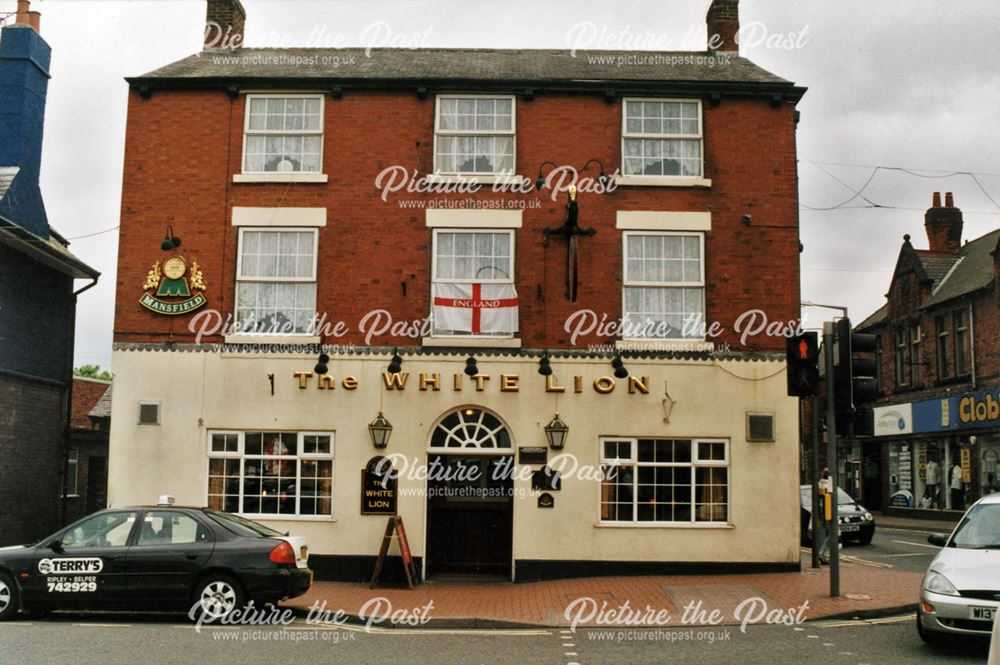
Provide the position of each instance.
(662, 138)
(474, 135)
(283, 134)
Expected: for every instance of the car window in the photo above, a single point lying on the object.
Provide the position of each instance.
(980, 529)
(241, 525)
(169, 527)
(104, 530)
(843, 498)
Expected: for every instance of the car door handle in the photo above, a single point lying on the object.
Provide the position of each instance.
(191, 557)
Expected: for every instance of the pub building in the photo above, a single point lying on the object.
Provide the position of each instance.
(936, 424)
(563, 380)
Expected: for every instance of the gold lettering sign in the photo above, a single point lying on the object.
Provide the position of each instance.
(509, 383)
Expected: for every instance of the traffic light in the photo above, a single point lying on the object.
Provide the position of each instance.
(802, 356)
(854, 382)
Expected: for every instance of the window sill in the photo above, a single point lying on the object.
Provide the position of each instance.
(664, 525)
(280, 177)
(660, 181)
(272, 339)
(288, 518)
(473, 342)
(697, 345)
(510, 180)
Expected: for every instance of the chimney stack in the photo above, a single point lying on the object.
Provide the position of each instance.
(723, 22)
(944, 224)
(27, 17)
(225, 21)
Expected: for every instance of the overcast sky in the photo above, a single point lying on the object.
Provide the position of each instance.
(898, 84)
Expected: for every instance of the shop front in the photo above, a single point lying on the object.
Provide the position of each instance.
(687, 464)
(940, 454)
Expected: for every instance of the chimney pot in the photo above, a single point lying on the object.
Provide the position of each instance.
(723, 23)
(936, 200)
(949, 201)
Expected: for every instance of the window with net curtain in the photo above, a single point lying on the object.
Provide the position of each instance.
(276, 281)
(664, 480)
(462, 257)
(283, 134)
(664, 286)
(662, 138)
(474, 135)
(271, 473)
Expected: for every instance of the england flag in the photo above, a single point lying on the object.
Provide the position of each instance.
(480, 309)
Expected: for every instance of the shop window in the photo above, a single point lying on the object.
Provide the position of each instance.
(474, 135)
(667, 481)
(662, 138)
(276, 281)
(283, 134)
(664, 285)
(941, 333)
(270, 474)
(473, 289)
(963, 350)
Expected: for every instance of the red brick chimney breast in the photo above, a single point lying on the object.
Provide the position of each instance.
(225, 21)
(943, 224)
(723, 23)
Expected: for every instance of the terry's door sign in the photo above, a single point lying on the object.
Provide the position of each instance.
(378, 487)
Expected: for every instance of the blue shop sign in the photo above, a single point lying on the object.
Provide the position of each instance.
(958, 412)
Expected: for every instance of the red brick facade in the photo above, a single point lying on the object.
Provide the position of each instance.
(183, 148)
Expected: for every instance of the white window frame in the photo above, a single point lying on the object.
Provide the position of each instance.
(73, 472)
(627, 178)
(241, 455)
(694, 464)
(286, 280)
(247, 132)
(627, 283)
(477, 339)
(512, 132)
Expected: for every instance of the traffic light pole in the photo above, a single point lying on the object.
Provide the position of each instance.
(814, 472)
(833, 530)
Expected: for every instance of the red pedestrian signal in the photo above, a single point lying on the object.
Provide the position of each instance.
(802, 357)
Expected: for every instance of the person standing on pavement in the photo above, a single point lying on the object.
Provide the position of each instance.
(957, 489)
(822, 530)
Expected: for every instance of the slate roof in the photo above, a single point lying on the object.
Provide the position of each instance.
(521, 66)
(935, 265)
(7, 175)
(103, 407)
(876, 318)
(973, 271)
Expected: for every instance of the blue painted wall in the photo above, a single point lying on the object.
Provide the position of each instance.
(24, 81)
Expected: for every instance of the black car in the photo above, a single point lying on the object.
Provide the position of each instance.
(856, 523)
(154, 558)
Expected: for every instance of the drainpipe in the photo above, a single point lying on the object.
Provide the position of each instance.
(972, 346)
(71, 343)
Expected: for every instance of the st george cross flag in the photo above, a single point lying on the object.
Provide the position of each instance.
(475, 308)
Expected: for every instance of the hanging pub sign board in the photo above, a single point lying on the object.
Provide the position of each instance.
(378, 487)
(394, 528)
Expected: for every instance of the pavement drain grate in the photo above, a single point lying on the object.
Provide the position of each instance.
(857, 596)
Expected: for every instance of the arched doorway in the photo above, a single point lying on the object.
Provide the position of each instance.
(470, 495)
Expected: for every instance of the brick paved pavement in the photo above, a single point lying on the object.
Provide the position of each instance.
(865, 590)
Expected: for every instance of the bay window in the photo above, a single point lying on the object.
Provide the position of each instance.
(271, 473)
(664, 480)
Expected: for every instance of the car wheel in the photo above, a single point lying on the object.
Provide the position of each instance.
(866, 538)
(930, 638)
(8, 598)
(217, 596)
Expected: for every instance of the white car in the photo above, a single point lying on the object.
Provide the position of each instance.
(960, 594)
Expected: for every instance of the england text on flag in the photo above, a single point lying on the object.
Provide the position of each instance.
(480, 309)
